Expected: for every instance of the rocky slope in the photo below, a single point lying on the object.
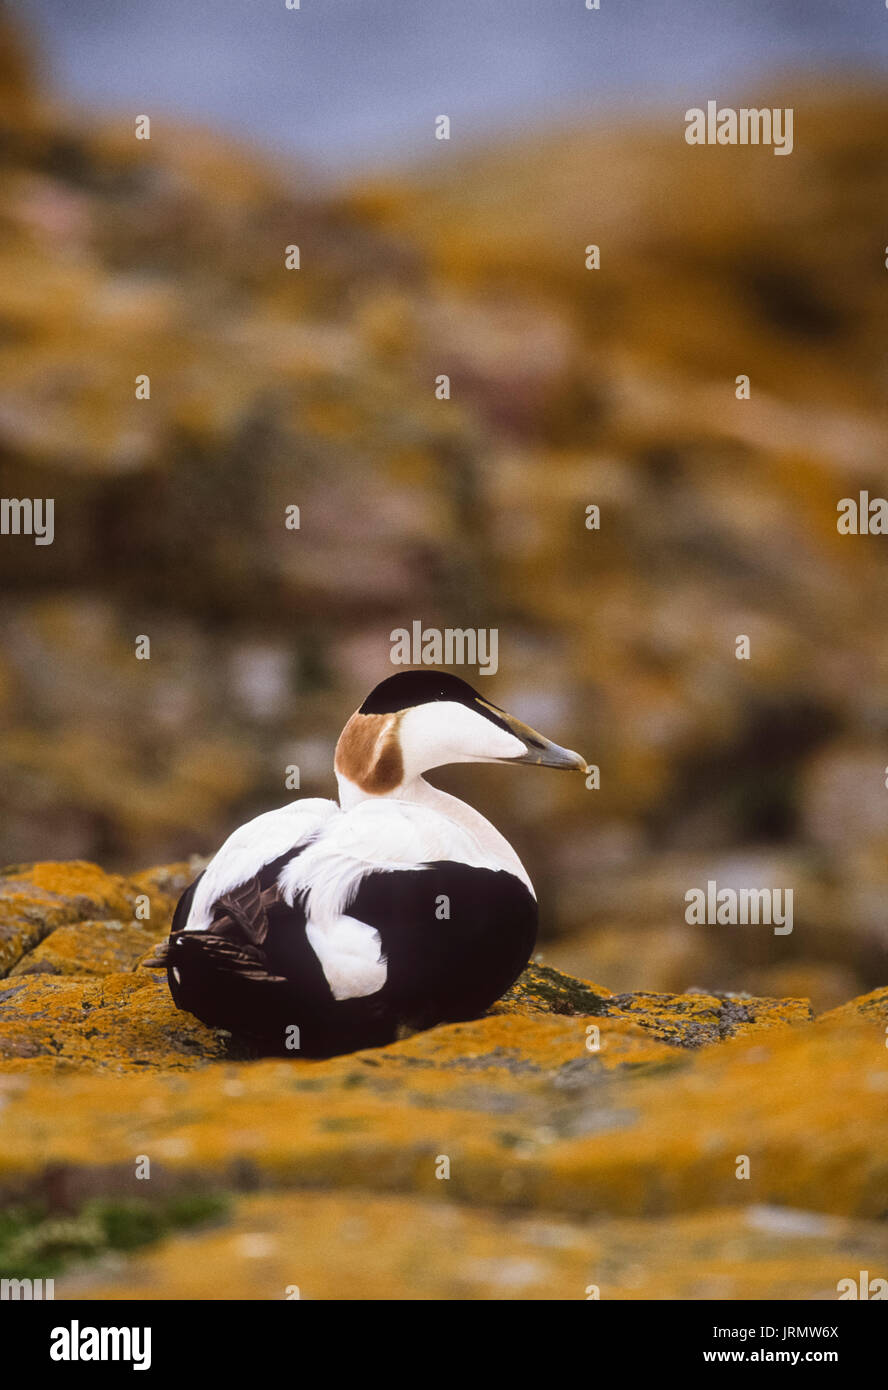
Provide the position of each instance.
(572, 1138)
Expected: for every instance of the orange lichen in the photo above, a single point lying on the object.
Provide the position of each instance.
(74, 879)
(613, 1117)
(364, 1246)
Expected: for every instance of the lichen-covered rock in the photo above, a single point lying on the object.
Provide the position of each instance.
(37, 898)
(532, 1045)
(119, 1022)
(315, 1245)
(613, 1128)
(692, 1020)
(538, 1123)
(164, 885)
(868, 1008)
(685, 1020)
(89, 948)
(544, 990)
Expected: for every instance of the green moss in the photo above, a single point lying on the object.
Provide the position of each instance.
(128, 1224)
(197, 1208)
(543, 988)
(35, 1244)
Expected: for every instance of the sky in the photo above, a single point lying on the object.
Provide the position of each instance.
(347, 83)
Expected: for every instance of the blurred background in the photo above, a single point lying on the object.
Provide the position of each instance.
(570, 387)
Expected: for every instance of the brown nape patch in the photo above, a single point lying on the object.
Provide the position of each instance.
(369, 755)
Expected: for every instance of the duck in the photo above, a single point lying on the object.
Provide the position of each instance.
(326, 927)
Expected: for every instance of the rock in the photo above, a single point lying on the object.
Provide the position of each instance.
(686, 1020)
(36, 898)
(119, 1022)
(827, 986)
(165, 885)
(869, 1008)
(692, 1020)
(528, 1116)
(362, 1246)
(89, 948)
(544, 990)
(572, 1136)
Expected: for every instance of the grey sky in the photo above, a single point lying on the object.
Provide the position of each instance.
(348, 82)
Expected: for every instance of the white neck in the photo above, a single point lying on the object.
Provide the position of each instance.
(422, 793)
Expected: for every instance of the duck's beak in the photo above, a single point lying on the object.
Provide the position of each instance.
(540, 750)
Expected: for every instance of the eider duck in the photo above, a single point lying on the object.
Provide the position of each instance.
(321, 928)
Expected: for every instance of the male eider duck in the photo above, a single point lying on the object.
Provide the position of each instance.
(399, 908)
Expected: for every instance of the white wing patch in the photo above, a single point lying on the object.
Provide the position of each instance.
(351, 957)
(253, 845)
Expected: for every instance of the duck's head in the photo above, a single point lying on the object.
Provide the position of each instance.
(419, 720)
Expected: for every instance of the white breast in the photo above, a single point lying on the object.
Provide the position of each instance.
(377, 836)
